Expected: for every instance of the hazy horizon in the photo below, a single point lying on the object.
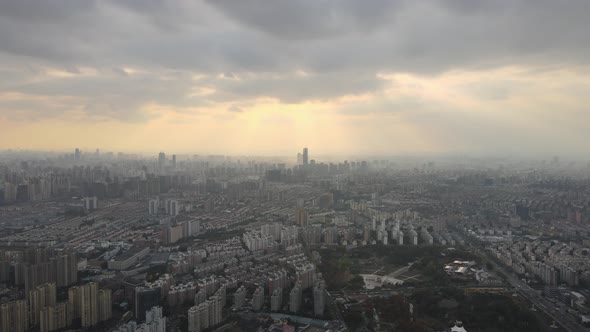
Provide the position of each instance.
(255, 78)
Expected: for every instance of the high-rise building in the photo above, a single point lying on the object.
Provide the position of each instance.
(319, 299)
(258, 299)
(67, 269)
(39, 269)
(201, 296)
(90, 203)
(174, 161)
(215, 310)
(104, 305)
(154, 321)
(276, 299)
(173, 207)
(301, 216)
(154, 206)
(299, 158)
(84, 303)
(305, 156)
(295, 298)
(13, 316)
(198, 317)
(161, 161)
(331, 235)
(239, 297)
(194, 321)
(77, 154)
(55, 317)
(41, 297)
(145, 299)
(5, 273)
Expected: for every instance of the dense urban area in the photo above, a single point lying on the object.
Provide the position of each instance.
(102, 241)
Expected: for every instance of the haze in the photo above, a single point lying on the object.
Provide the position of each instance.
(491, 77)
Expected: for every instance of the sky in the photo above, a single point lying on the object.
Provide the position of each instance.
(497, 77)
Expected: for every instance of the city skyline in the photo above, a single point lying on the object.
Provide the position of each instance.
(294, 165)
(387, 78)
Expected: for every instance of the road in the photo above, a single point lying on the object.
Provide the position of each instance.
(567, 321)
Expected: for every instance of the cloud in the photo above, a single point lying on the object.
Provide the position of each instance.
(235, 109)
(295, 88)
(113, 60)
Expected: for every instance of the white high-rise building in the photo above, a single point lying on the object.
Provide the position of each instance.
(154, 206)
(90, 203)
(173, 207)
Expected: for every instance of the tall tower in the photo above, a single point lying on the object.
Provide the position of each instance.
(161, 161)
(305, 156)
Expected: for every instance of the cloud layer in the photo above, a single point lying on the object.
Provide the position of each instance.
(379, 76)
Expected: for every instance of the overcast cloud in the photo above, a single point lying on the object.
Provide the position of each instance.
(437, 68)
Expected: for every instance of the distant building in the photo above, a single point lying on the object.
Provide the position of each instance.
(295, 299)
(104, 305)
(240, 298)
(154, 206)
(41, 297)
(13, 316)
(128, 258)
(276, 299)
(161, 161)
(90, 203)
(301, 216)
(258, 299)
(84, 303)
(54, 318)
(319, 299)
(145, 299)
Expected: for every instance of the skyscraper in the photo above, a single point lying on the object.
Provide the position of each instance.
(305, 156)
(161, 161)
